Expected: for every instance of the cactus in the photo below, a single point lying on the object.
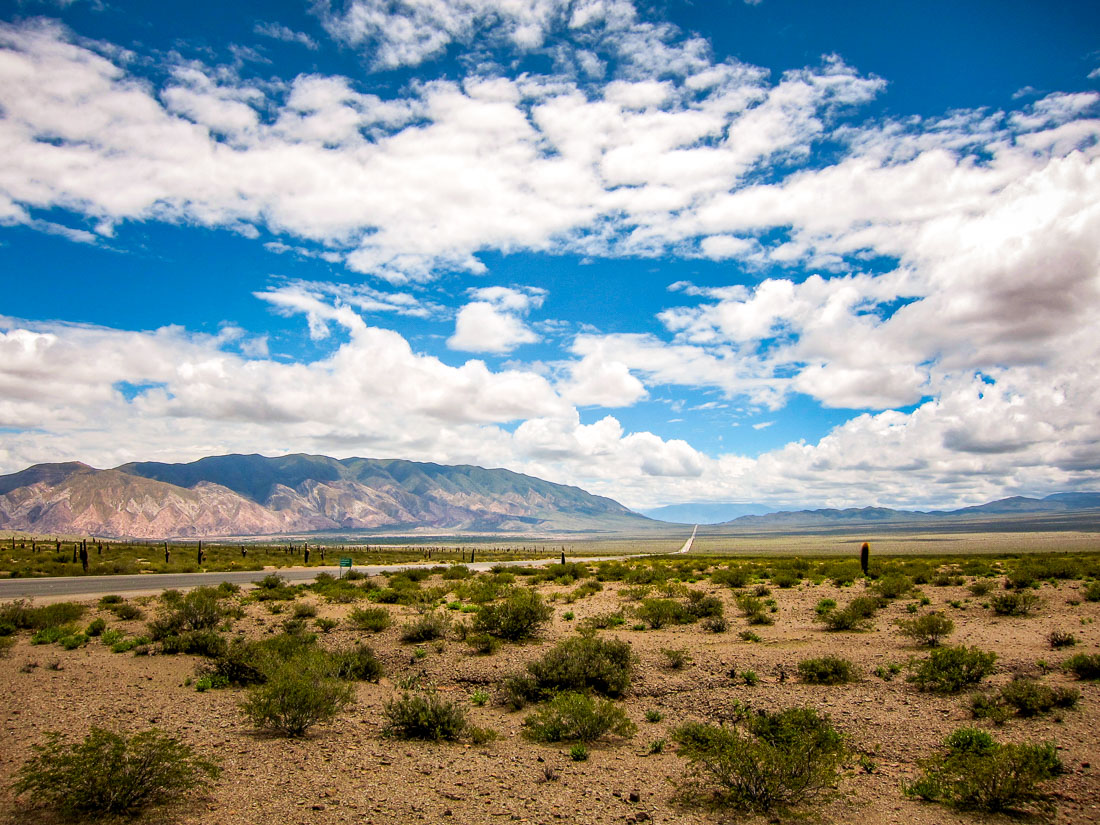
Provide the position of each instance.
(864, 557)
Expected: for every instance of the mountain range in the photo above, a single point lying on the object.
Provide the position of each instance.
(1056, 511)
(251, 495)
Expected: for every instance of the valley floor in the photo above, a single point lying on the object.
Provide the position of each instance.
(348, 772)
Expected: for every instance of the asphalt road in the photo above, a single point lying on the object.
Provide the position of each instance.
(92, 586)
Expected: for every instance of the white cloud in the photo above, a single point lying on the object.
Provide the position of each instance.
(277, 31)
(492, 322)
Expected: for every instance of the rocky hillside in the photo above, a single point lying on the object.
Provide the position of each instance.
(237, 495)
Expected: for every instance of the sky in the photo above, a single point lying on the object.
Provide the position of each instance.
(793, 253)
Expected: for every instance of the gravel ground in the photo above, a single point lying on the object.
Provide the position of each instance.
(347, 772)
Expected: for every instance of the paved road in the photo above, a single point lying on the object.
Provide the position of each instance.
(59, 587)
(687, 544)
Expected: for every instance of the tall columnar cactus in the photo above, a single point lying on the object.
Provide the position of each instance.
(864, 557)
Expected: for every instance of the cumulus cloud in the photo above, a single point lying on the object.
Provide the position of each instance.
(410, 187)
(956, 258)
(492, 322)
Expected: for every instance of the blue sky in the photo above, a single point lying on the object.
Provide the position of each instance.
(781, 252)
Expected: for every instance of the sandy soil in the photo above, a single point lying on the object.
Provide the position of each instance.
(348, 772)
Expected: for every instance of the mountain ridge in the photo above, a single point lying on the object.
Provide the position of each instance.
(236, 494)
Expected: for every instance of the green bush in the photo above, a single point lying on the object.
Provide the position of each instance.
(977, 773)
(424, 715)
(298, 693)
(426, 627)
(1016, 603)
(207, 643)
(827, 670)
(201, 609)
(929, 629)
(359, 663)
(126, 611)
(1092, 592)
(580, 664)
(574, 717)
(483, 643)
(456, 572)
(1030, 697)
(520, 616)
(96, 628)
(22, 616)
(950, 669)
(1084, 665)
(784, 758)
(110, 774)
(660, 612)
(676, 658)
(371, 619)
(893, 585)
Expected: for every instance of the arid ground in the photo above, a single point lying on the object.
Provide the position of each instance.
(349, 772)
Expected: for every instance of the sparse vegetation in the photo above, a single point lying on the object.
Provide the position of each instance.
(298, 693)
(929, 629)
(827, 670)
(784, 758)
(974, 772)
(111, 774)
(424, 715)
(950, 669)
(521, 615)
(571, 717)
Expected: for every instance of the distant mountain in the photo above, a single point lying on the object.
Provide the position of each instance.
(1006, 508)
(252, 495)
(706, 512)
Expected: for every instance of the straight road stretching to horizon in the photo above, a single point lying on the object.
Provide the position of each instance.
(92, 586)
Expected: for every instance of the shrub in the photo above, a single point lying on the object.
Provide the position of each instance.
(424, 715)
(428, 626)
(207, 643)
(1084, 665)
(716, 624)
(273, 588)
(581, 663)
(1058, 638)
(828, 670)
(371, 619)
(479, 697)
(950, 669)
(96, 628)
(201, 609)
(1092, 592)
(22, 616)
(658, 612)
(359, 664)
(1016, 603)
(304, 611)
(456, 572)
(1030, 697)
(785, 757)
(980, 588)
(126, 611)
(483, 643)
(520, 616)
(298, 693)
(653, 715)
(840, 620)
(975, 772)
(572, 717)
(110, 774)
(928, 629)
(893, 585)
(676, 659)
(578, 753)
